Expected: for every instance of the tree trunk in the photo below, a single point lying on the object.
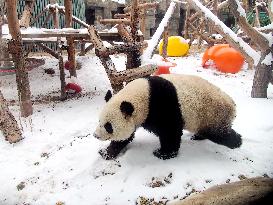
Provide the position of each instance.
(8, 124)
(262, 78)
(70, 41)
(15, 46)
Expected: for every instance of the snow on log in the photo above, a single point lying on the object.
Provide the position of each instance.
(147, 54)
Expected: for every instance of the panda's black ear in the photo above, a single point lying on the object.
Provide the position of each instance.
(108, 96)
(127, 108)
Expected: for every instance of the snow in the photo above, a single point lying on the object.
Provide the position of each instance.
(120, 1)
(268, 59)
(269, 38)
(240, 9)
(154, 41)
(58, 160)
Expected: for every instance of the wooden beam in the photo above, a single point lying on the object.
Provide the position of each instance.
(118, 16)
(115, 21)
(142, 6)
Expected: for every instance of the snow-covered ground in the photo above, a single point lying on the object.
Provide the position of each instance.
(58, 159)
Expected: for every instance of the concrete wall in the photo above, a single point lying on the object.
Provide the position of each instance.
(153, 17)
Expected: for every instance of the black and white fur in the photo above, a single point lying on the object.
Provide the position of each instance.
(166, 105)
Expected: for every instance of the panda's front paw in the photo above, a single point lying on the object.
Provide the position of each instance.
(104, 153)
(165, 155)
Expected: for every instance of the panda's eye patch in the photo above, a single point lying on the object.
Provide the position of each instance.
(108, 127)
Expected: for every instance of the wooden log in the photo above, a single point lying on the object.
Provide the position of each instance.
(249, 191)
(116, 49)
(97, 42)
(115, 21)
(27, 13)
(74, 18)
(15, 47)
(131, 74)
(70, 41)
(8, 124)
(123, 32)
(121, 16)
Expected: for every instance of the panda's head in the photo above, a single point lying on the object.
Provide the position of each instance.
(115, 122)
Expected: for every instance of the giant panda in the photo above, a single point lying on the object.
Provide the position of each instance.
(165, 105)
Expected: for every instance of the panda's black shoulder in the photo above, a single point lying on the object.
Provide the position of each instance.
(164, 104)
(162, 91)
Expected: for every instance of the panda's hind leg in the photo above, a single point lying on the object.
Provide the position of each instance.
(224, 135)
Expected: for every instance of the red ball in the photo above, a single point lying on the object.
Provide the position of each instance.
(67, 65)
(162, 70)
(73, 88)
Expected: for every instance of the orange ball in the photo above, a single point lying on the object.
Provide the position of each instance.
(209, 53)
(228, 60)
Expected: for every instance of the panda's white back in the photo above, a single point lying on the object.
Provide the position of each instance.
(202, 104)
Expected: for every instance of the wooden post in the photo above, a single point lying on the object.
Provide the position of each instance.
(15, 46)
(186, 30)
(55, 14)
(257, 17)
(25, 19)
(143, 18)
(165, 43)
(133, 58)
(165, 37)
(8, 124)
(70, 40)
(270, 9)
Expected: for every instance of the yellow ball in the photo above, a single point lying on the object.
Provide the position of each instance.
(177, 46)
